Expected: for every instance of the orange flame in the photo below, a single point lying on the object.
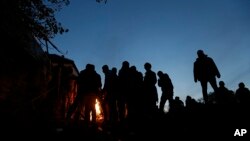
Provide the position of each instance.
(98, 109)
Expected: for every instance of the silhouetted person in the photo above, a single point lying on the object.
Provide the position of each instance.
(150, 91)
(106, 92)
(177, 105)
(190, 103)
(77, 105)
(167, 90)
(177, 110)
(115, 90)
(134, 100)
(242, 94)
(123, 78)
(205, 70)
(223, 95)
(109, 103)
(89, 82)
(92, 86)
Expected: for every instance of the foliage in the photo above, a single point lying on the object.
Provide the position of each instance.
(32, 16)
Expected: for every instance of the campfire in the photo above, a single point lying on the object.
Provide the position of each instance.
(98, 109)
(99, 113)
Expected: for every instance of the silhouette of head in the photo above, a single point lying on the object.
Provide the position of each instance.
(133, 68)
(188, 97)
(87, 66)
(160, 73)
(241, 85)
(222, 84)
(166, 75)
(200, 53)
(147, 66)
(114, 70)
(90, 67)
(125, 64)
(105, 68)
(177, 98)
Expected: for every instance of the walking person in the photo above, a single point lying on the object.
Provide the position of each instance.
(205, 70)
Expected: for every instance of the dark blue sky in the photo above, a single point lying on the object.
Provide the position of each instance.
(166, 33)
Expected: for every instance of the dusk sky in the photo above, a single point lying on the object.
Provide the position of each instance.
(165, 33)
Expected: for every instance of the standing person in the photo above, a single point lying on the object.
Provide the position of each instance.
(106, 92)
(123, 78)
(89, 82)
(109, 88)
(92, 85)
(114, 91)
(150, 91)
(167, 89)
(205, 70)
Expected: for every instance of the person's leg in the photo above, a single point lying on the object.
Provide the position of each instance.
(213, 83)
(93, 110)
(204, 90)
(170, 100)
(162, 103)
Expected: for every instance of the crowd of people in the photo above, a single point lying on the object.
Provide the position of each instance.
(129, 99)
